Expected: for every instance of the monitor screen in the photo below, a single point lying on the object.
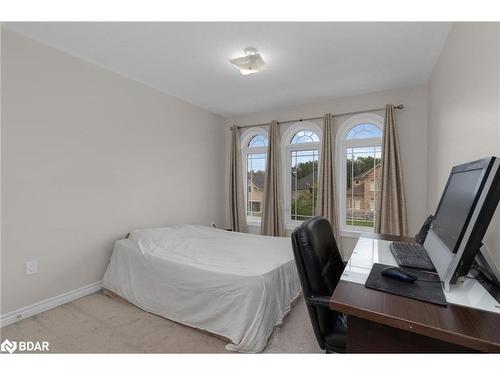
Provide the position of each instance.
(455, 206)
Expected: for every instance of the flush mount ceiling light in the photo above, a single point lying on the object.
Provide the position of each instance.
(250, 63)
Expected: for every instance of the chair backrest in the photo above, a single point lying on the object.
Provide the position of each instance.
(320, 266)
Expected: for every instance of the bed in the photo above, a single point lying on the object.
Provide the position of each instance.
(238, 286)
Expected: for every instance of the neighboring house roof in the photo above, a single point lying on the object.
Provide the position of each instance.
(257, 181)
(303, 183)
(306, 182)
(364, 174)
(359, 190)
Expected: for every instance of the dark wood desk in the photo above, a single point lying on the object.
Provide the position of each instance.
(379, 322)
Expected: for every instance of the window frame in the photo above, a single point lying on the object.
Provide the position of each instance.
(287, 149)
(246, 137)
(342, 144)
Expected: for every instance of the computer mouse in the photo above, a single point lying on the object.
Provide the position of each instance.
(399, 274)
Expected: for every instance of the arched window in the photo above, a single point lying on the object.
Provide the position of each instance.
(359, 154)
(362, 131)
(304, 136)
(301, 144)
(259, 140)
(254, 153)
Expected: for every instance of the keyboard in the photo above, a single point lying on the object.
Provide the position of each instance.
(411, 255)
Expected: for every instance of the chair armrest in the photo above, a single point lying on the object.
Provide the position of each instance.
(322, 301)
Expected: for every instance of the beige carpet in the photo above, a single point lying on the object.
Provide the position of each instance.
(101, 324)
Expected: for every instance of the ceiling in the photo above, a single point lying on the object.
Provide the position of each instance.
(307, 61)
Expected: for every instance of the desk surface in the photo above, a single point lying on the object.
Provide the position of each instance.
(459, 324)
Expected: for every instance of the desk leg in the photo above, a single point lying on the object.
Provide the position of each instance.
(365, 336)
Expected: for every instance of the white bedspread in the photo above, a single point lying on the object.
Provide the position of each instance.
(235, 285)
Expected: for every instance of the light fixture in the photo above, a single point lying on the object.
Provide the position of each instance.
(250, 63)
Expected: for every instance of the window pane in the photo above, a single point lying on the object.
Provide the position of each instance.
(304, 186)
(364, 131)
(304, 136)
(256, 166)
(258, 140)
(363, 173)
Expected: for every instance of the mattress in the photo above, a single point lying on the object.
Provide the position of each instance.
(235, 285)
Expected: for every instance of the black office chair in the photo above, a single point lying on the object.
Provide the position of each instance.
(320, 266)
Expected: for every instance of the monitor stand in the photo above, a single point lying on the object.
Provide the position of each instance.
(440, 256)
(488, 266)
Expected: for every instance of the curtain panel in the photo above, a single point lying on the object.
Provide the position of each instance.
(272, 223)
(326, 204)
(237, 210)
(390, 215)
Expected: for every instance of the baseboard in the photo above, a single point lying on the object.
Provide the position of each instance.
(50, 303)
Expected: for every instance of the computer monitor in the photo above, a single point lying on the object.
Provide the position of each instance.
(465, 209)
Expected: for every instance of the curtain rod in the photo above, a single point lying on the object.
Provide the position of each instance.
(399, 106)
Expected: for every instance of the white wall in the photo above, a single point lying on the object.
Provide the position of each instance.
(88, 155)
(464, 108)
(412, 123)
(1, 152)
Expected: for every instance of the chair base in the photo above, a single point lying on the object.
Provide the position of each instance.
(335, 350)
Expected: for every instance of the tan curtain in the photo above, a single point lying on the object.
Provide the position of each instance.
(326, 204)
(391, 207)
(236, 190)
(272, 215)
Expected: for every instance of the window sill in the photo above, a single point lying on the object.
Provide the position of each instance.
(292, 225)
(353, 233)
(252, 223)
(349, 233)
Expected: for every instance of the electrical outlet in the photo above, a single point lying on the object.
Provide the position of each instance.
(31, 267)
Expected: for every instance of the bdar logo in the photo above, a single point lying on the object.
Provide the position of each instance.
(8, 346)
